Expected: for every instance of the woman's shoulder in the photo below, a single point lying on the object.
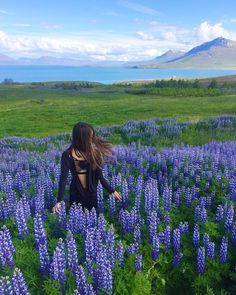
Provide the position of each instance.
(66, 153)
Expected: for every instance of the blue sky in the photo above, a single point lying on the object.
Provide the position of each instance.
(111, 30)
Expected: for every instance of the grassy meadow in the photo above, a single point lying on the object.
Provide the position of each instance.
(41, 109)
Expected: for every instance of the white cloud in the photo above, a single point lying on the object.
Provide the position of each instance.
(138, 7)
(106, 45)
(169, 36)
(144, 36)
(206, 32)
(52, 27)
(22, 25)
(2, 11)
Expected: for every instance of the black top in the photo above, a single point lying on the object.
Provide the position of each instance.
(92, 177)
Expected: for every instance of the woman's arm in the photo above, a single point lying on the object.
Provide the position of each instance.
(63, 176)
(104, 182)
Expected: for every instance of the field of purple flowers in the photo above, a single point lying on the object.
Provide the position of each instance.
(173, 233)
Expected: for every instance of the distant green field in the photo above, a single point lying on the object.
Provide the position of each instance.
(26, 110)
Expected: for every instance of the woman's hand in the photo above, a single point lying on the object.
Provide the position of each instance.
(117, 195)
(56, 208)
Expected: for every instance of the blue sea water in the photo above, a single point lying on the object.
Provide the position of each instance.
(98, 74)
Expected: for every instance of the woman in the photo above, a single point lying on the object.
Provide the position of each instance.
(84, 158)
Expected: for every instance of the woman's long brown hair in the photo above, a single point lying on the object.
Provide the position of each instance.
(93, 148)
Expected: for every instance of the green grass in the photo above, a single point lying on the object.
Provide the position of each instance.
(23, 113)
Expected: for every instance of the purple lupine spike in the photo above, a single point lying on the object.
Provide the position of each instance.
(104, 272)
(44, 259)
(229, 217)
(93, 217)
(26, 207)
(223, 250)
(120, 253)
(80, 280)
(7, 248)
(177, 258)
(90, 250)
(62, 216)
(111, 245)
(188, 198)
(100, 198)
(196, 235)
(6, 286)
(206, 240)
(201, 260)
(197, 213)
(21, 221)
(203, 215)
(112, 205)
(167, 237)
(152, 220)
(138, 192)
(137, 234)
(210, 250)
(102, 223)
(58, 264)
(234, 234)
(72, 223)
(132, 248)
(176, 198)
(219, 213)
(40, 233)
(125, 194)
(138, 262)
(176, 240)
(18, 283)
(155, 247)
(167, 197)
(72, 256)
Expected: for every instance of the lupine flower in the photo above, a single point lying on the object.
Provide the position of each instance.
(210, 250)
(223, 250)
(138, 263)
(18, 283)
(120, 253)
(234, 234)
(201, 260)
(196, 235)
(6, 286)
(21, 221)
(58, 264)
(7, 248)
(219, 213)
(104, 272)
(155, 247)
(229, 217)
(177, 258)
(62, 215)
(176, 240)
(100, 198)
(72, 256)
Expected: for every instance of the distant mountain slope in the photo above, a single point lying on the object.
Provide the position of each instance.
(167, 56)
(219, 53)
(5, 60)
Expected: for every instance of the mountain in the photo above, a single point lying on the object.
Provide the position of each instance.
(219, 53)
(56, 61)
(6, 60)
(167, 56)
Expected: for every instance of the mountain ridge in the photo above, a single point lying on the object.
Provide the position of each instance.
(218, 53)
